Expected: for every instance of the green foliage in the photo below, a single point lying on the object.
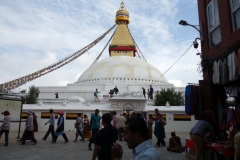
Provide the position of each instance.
(31, 97)
(231, 103)
(173, 97)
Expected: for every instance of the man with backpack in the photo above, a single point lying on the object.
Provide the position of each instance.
(96, 96)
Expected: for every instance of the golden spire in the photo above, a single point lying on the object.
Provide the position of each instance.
(122, 43)
(122, 14)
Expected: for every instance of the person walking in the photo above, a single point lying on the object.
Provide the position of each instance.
(121, 125)
(115, 119)
(149, 125)
(35, 124)
(60, 128)
(96, 96)
(104, 139)
(29, 129)
(5, 127)
(37, 92)
(79, 128)
(159, 131)
(51, 125)
(151, 92)
(86, 128)
(95, 125)
(144, 92)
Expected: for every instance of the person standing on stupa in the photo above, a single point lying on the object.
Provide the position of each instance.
(144, 92)
(56, 95)
(151, 92)
(148, 94)
(115, 90)
(37, 92)
(96, 96)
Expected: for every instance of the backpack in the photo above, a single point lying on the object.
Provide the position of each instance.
(95, 93)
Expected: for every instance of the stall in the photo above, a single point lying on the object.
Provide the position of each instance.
(219, 150)
(217, 101)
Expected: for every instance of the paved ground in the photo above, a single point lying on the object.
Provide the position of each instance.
(45, 150)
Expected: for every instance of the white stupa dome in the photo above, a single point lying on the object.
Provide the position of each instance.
(122, 68)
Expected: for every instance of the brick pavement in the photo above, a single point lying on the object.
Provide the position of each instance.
(45, 150)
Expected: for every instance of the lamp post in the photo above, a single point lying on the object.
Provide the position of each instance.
(184, 23)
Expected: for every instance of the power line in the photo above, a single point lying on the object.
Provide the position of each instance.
(169, 67)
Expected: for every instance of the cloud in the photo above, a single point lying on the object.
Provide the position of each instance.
(177, 83)
(78, 75)
(63, 83)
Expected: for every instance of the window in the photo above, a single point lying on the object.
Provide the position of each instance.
(46, 115)
(24, 115)
(235, 5)
(72, 116)
(213, 23)
(154, 116)
(181, 117)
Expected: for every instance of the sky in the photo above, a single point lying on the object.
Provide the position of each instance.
(36, 34)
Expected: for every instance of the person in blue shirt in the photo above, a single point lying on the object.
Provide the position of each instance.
(95, 125)
(136, 136)
(51, 125)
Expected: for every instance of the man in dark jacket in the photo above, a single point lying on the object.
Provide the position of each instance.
(144, 92)
(115, 90)
(151, 92)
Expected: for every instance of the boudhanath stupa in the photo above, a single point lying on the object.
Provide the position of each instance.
(122, 69)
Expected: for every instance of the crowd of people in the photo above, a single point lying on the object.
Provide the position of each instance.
(135, 129)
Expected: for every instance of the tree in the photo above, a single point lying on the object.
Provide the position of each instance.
(31, 97)
(173, 97)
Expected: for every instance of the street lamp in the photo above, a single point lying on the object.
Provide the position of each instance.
(184, 23)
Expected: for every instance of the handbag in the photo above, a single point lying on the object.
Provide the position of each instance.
(177, 147)
(76, 125)
(89, 127)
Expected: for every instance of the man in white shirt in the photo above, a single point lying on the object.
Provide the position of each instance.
(121, 125)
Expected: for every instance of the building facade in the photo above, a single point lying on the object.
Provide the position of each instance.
(220, 49)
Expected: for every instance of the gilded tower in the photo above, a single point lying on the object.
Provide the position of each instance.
(122, 43)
